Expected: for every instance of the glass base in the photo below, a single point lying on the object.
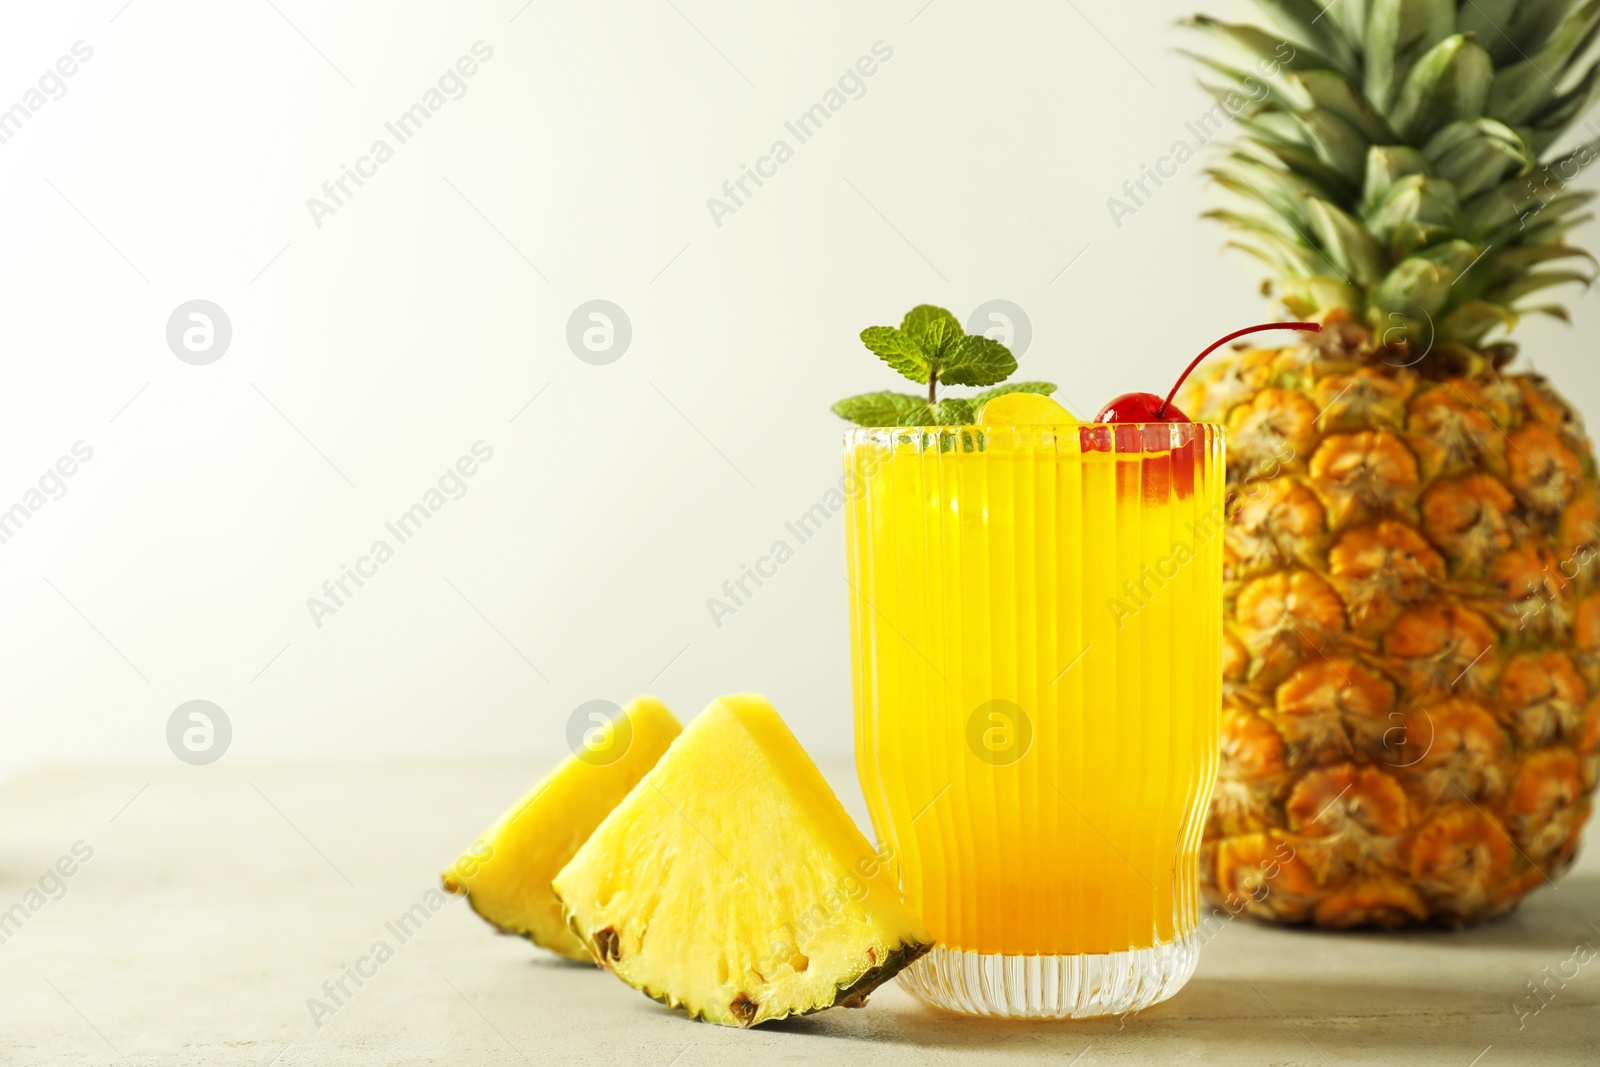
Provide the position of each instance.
(1051, 987)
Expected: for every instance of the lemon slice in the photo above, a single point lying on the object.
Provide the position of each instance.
(1024, 409)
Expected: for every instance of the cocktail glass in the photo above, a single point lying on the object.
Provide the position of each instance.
(1036, 620)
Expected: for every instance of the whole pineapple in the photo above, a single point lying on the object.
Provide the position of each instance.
(1411, 729)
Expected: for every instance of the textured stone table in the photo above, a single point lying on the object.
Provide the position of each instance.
(218, 900)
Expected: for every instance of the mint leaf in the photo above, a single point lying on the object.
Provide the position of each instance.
(940, 339)
(976, 360)
(934, 326)
(898, 349)
(952, 412)
(921, 415)
(937, 330)
(879, 409)
(1042, 388)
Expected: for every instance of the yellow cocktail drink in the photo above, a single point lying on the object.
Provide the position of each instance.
(1036, 614)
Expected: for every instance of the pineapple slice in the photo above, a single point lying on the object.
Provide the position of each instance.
(732, 883)
(505, 874)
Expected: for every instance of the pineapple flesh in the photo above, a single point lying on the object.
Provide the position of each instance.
(1412, 567)
(505, 874)
(733, 884)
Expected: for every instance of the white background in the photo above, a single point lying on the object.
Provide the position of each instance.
(368, 354)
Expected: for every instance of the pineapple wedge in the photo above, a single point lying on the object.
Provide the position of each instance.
(732, 883)
(505, 874)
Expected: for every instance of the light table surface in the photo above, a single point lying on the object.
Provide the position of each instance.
(219, 899)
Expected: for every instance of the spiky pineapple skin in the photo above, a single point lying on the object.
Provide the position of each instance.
(1412, 652)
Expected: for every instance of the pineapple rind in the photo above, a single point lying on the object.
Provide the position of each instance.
(1418, 741)
(853, 995)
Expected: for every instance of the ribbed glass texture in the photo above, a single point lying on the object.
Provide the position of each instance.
(1036, 619)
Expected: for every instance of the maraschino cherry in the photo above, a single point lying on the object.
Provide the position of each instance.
(1148, 407)
(1140, 407)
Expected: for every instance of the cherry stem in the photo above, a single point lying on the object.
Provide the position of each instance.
(1308, 327)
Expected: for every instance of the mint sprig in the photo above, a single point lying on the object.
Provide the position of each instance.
(930, 348)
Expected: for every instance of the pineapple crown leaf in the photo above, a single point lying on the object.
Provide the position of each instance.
(1388, 150)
